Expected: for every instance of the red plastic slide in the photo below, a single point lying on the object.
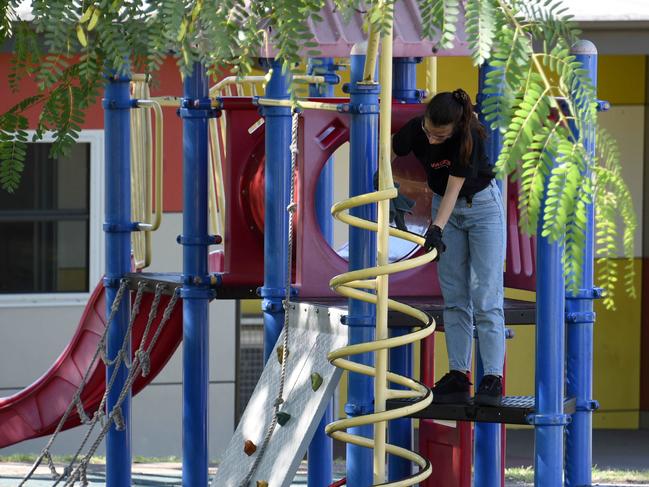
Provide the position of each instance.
(36, 410)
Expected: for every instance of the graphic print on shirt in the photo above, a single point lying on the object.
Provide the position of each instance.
(440, 164)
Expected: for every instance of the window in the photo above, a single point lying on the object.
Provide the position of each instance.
(50, 228)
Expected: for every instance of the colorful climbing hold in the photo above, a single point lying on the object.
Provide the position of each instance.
(262, 483)
(249, 448)
(280, 353)
(282, 418)
(316, 381)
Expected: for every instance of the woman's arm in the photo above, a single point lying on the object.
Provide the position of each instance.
(449, 199)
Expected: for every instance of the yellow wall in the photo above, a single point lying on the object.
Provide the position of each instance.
(616, 358)
(250, 307)
(621, 79)
(453, 72)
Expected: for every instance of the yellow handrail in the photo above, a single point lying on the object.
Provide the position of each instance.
(141, 153)
(253, 80)
(216, 187)
(304, 104)
(167, 101)
(235, 80)
(143, 161)
(158, 168)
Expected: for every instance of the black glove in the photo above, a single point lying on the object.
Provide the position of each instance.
(399, 205)
(434, 240)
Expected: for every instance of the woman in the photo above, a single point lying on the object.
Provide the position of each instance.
(468, 233)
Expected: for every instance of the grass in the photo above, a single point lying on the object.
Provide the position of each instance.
(606, 476)
(524, 475)
(95, 460)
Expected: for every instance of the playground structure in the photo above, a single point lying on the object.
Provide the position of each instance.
(237, 271)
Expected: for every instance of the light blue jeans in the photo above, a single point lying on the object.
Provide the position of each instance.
(471, 278)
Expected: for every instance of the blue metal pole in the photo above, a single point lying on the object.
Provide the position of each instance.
(404, 90)
(549, 419)
(404, 80)
(320, 457)
(363, 147)
(277, 187)
(487, 439)
(487, 465)
(400, 430)
(580, 320)
(118, 262)
(195, 292)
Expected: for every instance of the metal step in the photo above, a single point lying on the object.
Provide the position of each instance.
(153, 279)
(514, 410)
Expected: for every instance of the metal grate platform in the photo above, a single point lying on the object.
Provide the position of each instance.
(172, 280)
(517, 312)
(514, 410)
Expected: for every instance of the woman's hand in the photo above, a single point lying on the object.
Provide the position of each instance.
(434, 240)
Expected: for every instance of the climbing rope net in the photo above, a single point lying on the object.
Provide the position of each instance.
(75, 472)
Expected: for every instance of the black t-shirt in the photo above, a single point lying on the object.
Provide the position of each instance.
(440, 160)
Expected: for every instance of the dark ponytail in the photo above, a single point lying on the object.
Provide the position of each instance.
(456, 108)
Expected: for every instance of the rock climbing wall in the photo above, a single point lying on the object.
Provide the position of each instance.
(309, 385)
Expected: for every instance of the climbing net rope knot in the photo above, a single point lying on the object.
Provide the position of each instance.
(145, 360)
(85, 419)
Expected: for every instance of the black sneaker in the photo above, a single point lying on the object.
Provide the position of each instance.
(490, 391)
(453, 388)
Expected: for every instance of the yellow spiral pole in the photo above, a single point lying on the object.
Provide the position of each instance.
(371, 285)
(382, 257)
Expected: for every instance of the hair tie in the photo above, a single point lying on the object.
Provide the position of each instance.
(460, 96)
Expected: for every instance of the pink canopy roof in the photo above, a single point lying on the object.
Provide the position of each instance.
(336, 36)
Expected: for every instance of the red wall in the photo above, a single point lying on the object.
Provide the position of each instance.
(167, 82)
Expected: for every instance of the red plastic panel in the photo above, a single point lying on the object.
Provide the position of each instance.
(449, 451)
(449, 448)
(316, 261)
(242, 263)
(36, 410)
(520, 264)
